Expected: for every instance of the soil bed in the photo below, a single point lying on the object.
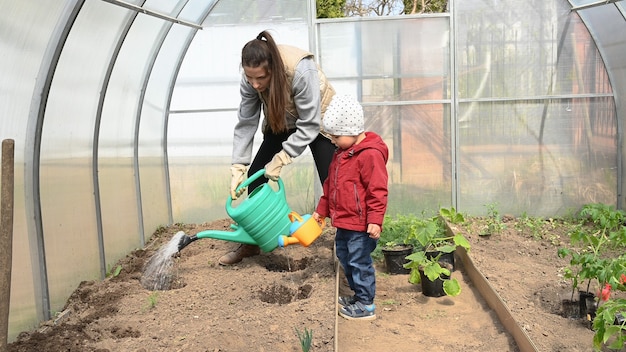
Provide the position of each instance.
(262, 303)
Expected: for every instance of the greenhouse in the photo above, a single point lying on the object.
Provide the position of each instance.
(118, 117)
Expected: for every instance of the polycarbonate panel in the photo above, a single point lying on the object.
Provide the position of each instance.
(538, 156)
(528, 49)
(246, 12)
(397, 60)
(528, 155)
(604, 23)
(67, 202)
(155, 201)
(25, 27)
(196, 10)
(207, 80)
(397, 68)
(418, 137)
(583, 2)
(199, 166)
(116, 152)
(200, 169)
(211, 71)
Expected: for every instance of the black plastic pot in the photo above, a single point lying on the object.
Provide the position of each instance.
(584, 307)
(432, 288)
(395, 258)
(587, 305)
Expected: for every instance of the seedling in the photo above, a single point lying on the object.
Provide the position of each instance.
(116, 272)
(152, 300)
(305, 338)
(494, 221)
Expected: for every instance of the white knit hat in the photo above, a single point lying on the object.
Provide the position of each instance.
(344, 116)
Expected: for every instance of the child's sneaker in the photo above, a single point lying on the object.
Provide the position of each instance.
(358, 311)
(345, 301)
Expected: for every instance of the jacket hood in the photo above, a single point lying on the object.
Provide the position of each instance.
(371, 141)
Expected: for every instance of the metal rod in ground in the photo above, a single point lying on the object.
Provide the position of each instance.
(6, 237)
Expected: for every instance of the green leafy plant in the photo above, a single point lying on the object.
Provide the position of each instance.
(306, 338)
(494, 224)
(396, 230)
(589, 244)
(451, 215)
(609, 324)
(534, 225)
(434, 240)
(432, 235)
(595, 241)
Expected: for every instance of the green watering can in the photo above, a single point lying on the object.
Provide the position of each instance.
(260, 219)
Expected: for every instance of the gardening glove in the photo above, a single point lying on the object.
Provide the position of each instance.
(272, 169)
(237, 171)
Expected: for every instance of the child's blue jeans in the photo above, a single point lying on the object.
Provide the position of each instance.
(354, 250)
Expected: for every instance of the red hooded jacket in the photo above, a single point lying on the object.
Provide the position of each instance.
(355, 191)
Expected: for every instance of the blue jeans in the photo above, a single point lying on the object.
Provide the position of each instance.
(353, 250)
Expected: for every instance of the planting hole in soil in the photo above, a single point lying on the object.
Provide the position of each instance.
(282, 263)
(283, 295)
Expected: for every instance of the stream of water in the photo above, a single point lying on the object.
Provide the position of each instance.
(157, 274)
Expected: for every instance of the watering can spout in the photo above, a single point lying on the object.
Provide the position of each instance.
(284, 241)
(185, 241)
(239, 235)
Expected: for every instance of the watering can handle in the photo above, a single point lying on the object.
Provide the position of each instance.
(297, 216)
(253, 178)
(293, 215)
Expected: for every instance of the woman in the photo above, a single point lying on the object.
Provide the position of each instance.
(293, 92)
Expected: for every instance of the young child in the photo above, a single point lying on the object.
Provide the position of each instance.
(355, 199)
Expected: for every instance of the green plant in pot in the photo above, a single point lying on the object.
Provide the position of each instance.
(599, 235)
(435, 241)
(396, 233)
(395, 241)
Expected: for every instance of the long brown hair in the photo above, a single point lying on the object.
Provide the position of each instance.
(263, 51)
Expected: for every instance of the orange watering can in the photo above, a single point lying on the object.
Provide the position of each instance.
(303, 230)
(260, 219)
